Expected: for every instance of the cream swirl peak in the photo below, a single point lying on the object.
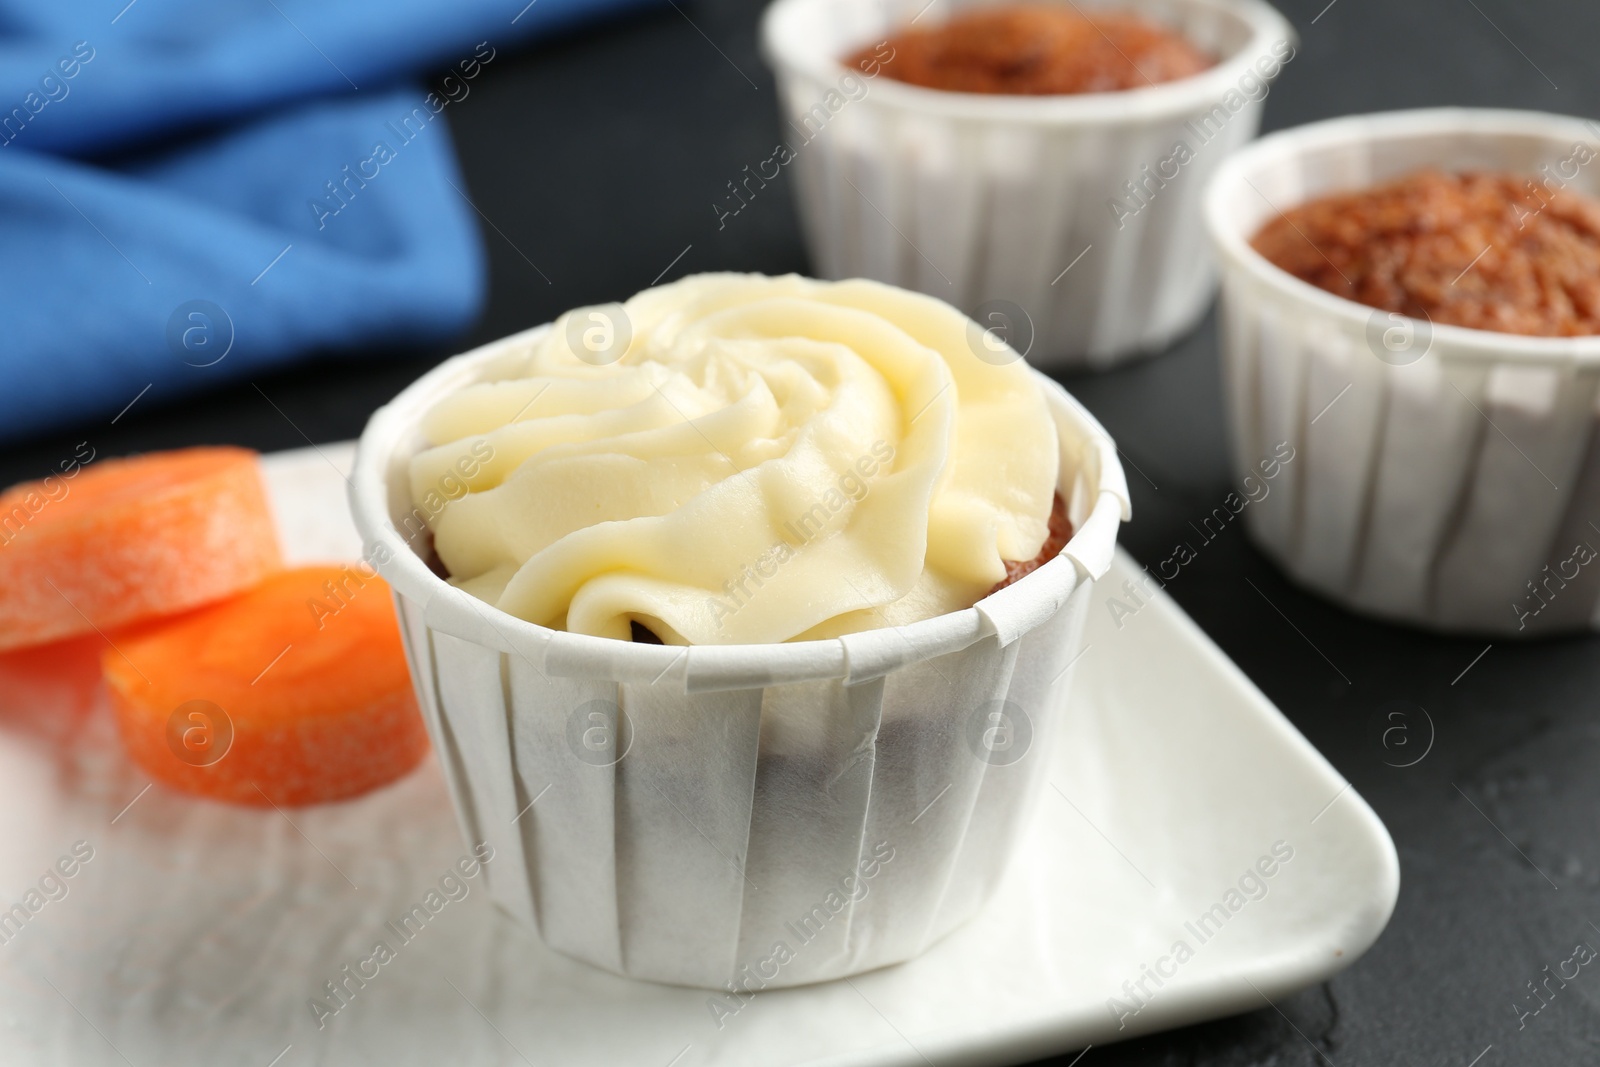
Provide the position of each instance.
(767, 459)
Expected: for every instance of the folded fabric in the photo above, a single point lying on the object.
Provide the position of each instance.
(166, 65)
(96, 264)
(281, 211)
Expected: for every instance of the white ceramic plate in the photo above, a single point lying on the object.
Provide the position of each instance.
(198, 933)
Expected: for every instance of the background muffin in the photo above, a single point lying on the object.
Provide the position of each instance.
(1068, 220)
(1447, 476)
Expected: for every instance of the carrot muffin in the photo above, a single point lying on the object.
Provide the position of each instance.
(1038, 50)
(742, 459)
(1484, 250)
(728, 461)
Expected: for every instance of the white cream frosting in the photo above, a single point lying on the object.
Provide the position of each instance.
(769, 459)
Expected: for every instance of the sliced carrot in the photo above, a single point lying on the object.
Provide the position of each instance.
(125, 540)
(295, 692)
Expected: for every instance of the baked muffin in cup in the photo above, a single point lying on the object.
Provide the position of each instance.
(747, 815)
(986, 200)
(1443, 476)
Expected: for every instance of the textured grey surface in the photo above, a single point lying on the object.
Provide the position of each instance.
(599, 158)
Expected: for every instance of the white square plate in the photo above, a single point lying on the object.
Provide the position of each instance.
(199, 933)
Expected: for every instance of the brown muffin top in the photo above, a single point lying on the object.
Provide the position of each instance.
(1489, 251)
(1037, 50)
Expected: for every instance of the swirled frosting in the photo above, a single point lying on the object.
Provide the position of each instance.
(737, 459)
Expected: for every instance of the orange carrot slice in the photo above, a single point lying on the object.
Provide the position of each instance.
(124, 540)
(295, 692)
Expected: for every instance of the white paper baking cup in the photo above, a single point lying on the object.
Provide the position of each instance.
(755, 780)
(1444, 476)
(985, 200)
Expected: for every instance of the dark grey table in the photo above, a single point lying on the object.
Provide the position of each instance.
(598, 157)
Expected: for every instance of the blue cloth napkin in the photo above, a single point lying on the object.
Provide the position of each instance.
(192, 191)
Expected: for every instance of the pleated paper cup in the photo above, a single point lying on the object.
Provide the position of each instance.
(1444, 476)
(1071, 222)
(751, 816)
